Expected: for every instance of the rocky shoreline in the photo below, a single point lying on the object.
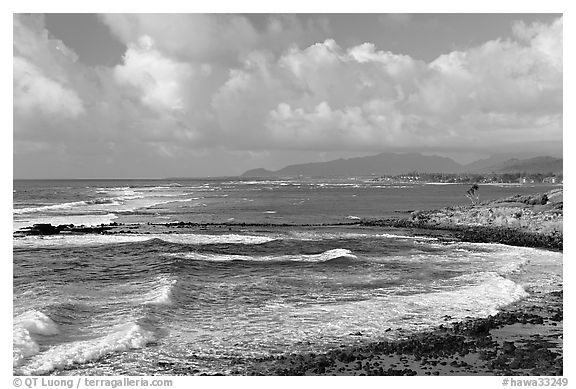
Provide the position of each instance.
(473, 234)
(478, 234)
(528, 221)
(524, 338)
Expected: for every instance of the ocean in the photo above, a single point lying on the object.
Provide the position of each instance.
(278, 271)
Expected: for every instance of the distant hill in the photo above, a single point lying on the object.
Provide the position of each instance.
(259, 173)
(543, 165)
(486, 163)
(498, 161)
(395, 164)
(381, 164)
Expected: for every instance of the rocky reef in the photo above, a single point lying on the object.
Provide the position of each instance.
(49, 229)
(520, 220)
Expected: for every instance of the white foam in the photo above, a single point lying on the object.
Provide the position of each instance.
(395, 236)
(162, 202)
(23, 346)
(19, 211)
(391, 186)
(163, 187)
(316, 236)
(483, 299)
(87, 220)
(322, 257)
(503, 259)
(88, 204)
(129, 336)
(161, 294)
(514, 264)
(37, 323)
(93, 239)
(415, 312)
(145, 198)
(327, 255)
(122, 190)
(208, 239)
(131, 197)
(263, 182)
(75, 240)
(25, 326)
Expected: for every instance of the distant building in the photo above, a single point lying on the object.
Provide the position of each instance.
(550, 180)
(525, 180)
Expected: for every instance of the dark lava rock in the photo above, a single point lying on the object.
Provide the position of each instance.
(43, 229)
(508, 348)
(49, 229)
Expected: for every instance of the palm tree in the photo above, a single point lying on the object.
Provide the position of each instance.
(472, 194)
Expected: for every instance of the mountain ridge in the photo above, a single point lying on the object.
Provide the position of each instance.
(395, 164)
(541, 165)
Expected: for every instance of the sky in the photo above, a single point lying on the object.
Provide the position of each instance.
(196, 95)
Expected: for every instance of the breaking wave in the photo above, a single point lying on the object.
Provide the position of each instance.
(125, 337)
(26, 327)
(93, 239)
(311, 258)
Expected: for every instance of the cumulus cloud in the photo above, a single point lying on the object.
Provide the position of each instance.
(42, 84)
(543, 38)
(190, 36)
(160, 82)
(189, 84)
(34, 92)
(325, 96)
(218, 38)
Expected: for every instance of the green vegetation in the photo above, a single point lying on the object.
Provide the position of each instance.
(472, 178)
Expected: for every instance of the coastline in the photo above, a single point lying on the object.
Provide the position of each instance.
(527, 221)
(524, 338)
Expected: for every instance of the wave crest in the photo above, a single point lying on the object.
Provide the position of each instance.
(310, 258)
(27, 325)
(126, 337)
(161, 294)
(92, 239)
